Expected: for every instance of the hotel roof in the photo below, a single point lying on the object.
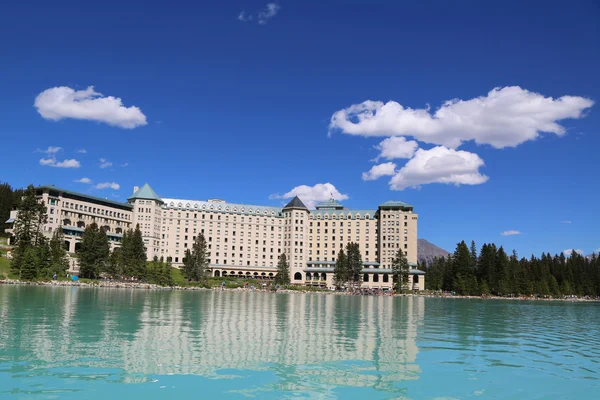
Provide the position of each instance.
(147, 193)
(85, 197)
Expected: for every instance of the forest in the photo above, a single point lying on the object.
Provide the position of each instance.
(492, 271)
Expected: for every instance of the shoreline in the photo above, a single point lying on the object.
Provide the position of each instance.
(150, 286)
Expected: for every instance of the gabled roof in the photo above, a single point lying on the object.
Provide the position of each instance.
(295, 203)
(147, 193)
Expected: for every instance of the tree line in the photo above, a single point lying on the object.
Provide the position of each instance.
(492, 271)
(9, 197)
(347, 271)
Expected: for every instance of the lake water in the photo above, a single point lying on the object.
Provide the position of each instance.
(81, 343)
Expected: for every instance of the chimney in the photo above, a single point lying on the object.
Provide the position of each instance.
(135, 189)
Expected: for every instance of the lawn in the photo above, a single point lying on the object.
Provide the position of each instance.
(4, 266)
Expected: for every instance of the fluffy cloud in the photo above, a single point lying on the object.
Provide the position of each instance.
(439, 165)
(396, 147)
(506, 117)
(63, 102)
(105, 163)
(108, 185)
(263, 16)
(568, 252)
(510, 233)
(84, 180)
(52, 162)
(311, 195)
(385, 169)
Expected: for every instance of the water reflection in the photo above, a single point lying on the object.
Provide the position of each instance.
(302, 343)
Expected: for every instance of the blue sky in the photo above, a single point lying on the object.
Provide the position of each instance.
(247, 101)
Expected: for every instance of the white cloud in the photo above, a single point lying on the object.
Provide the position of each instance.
(125, 165)
(108, 185)
(311, 195)
(84, 180)
(385, 169)
(51, 162)
(597, 251)
(63, 102)
(105, 163)
(83, 151)
(506, 117)
(269, 12)
(568, 252)
(245, 17)
(263, 16)
(396, 147)
(510, 233)
(50, 151)
(439, 165)
(565, 222)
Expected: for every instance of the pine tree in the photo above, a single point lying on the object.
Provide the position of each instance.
(400, 270)
(30, 264)
(94, 252)
(59, 259)
(354, 262)
(137, 258)
(283, 271)
(340, 270)
(114, 266)
(195, 263)
(28, 227)
(6, 203)
(167, 273)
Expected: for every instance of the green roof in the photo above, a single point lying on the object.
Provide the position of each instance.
(411, 271)
(329, 204)
(147, 193)
(393, 203)
(81, 196)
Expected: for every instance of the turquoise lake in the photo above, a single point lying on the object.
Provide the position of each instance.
(82, 343)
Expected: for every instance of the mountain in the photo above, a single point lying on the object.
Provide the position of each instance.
(428, 251)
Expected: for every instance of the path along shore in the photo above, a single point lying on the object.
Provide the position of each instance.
(149, 286)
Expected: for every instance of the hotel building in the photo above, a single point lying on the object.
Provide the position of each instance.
(246, 240)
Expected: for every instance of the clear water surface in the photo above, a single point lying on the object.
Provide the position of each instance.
(82, 343)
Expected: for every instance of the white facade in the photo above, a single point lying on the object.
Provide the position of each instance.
(247, 240)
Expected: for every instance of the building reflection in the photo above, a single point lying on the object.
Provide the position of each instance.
(310, 342)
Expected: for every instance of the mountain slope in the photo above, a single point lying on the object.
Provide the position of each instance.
(428, 251)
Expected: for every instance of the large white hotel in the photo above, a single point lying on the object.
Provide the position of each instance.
(246, 240)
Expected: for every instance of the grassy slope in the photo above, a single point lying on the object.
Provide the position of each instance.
(4, 265)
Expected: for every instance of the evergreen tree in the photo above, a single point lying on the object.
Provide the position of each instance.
(114, 266)
(461, 270)
(28, 227)
(6, 204)
(59, 259)
(283, 271)
(167, 273)
(195, 263)
(400, 269)
(94, 252)
(354, 261)
(137, 255)
(340, 270)
(30, 264)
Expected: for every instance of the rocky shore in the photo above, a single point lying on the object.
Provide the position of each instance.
(149, 286)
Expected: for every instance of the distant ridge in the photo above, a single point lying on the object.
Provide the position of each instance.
(428, 251)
